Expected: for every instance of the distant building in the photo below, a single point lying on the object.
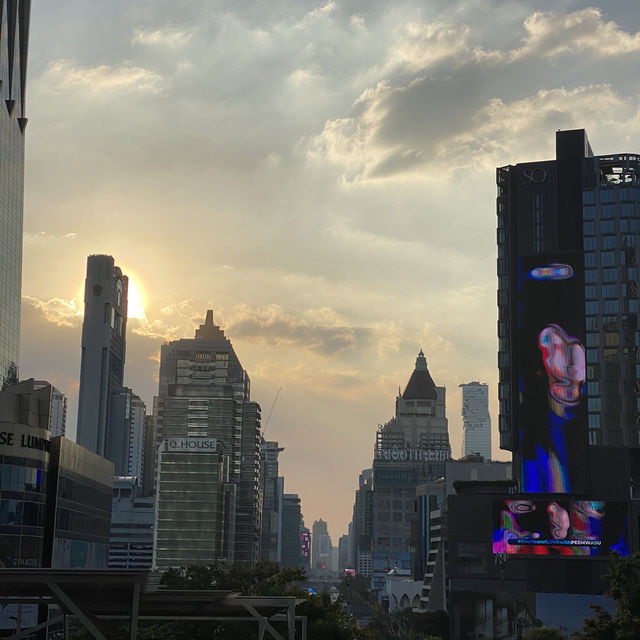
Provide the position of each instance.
(410, 449)
(292, 529)
(132, 518)
(128, 412)
(320, 546)
(272, 490)
(58, 418)
(102, 362)
(343, 553)
(13, 121)
(149, 458)
(204, 394)
(363, 524)
(476, 421)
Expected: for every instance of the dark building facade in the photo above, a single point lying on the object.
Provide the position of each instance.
(205, 393)
(568, 239)
(14, 19)
(102, 361)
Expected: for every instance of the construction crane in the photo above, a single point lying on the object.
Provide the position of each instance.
(273, 404)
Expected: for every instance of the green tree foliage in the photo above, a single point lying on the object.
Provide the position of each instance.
(408, 625)
(545, 633)
(624, 587)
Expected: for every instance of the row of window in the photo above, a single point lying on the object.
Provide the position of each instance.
(611, 195)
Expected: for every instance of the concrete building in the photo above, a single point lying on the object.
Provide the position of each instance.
(102, 361)
(58, 418)
(410, 449)
(13, 121)
(205, 393)
(132, 519)
(476, 421)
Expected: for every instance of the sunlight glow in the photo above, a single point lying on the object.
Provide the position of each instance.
(135, 301)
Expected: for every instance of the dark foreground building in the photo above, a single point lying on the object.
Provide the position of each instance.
(568, 240)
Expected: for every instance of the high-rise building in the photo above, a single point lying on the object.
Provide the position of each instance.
(204, 393)
(363, 523)
(58, 416)
(272, 492)
(568, 241)
(476, 421)
(102, 361)
(410, 449)
(127, 420)
(292, 533)
(13, 76)
(320, 546)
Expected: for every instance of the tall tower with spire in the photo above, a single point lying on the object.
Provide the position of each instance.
(410, 450)
(204, 397)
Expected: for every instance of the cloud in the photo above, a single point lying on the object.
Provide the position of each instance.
(165, 37)
(63, 313)
(319, 330)
(552, 34)
(62, 75)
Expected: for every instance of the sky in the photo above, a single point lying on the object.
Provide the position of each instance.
(320, 173)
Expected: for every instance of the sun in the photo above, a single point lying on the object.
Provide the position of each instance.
(135, 302)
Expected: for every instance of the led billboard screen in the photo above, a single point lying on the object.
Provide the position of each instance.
(546, 526)
(551, 417)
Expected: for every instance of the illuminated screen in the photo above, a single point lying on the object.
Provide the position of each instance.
(550, 361)
(560, 527)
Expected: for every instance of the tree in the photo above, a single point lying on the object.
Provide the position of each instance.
(545, 633)
(623, 577)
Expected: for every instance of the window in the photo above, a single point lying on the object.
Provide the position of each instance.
(594, 421)
(608, 211)
(588, 197)
(610, 354)
(609, 242)
(591, 275)
(593, 339)
(607, 195)
(607, 226)
(626, 209)
(624, 226)
(592, 355)
(611, 306)
(632, 273)
(607, 258)
(629, 240)
(591, 291)
(611, 339)
(589, 228)
(591, 324)
(590, 244)
(609, 291)
(595, 404)
(593, 388)
(589, 259)
(610, 275)
(591, 308)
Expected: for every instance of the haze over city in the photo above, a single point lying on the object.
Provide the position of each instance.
(321, 175)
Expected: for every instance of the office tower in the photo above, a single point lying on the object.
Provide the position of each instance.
(13, 76)
(476, 421)
(205, 393)
(568, 238)
(195, 512)
(132, 518)
(272, 491)
(149, 459)
(292, 526)
(58, 417)
(344, 543)
(102, 362)
(409, 450)
(320, 546)
(363, 523)
(127, 420)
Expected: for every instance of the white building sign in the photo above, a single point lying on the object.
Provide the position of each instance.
(192, 445)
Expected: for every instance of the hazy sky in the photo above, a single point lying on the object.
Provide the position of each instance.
(320, 174)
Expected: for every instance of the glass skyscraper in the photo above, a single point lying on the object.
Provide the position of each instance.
(14, 39)
(568, 237)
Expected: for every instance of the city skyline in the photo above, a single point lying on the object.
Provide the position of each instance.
(321, 175)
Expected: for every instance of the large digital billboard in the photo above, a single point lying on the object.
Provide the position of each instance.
(548, 526)
(551, 417)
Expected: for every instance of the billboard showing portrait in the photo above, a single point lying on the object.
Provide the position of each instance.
(552, 416)
(548, 526)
